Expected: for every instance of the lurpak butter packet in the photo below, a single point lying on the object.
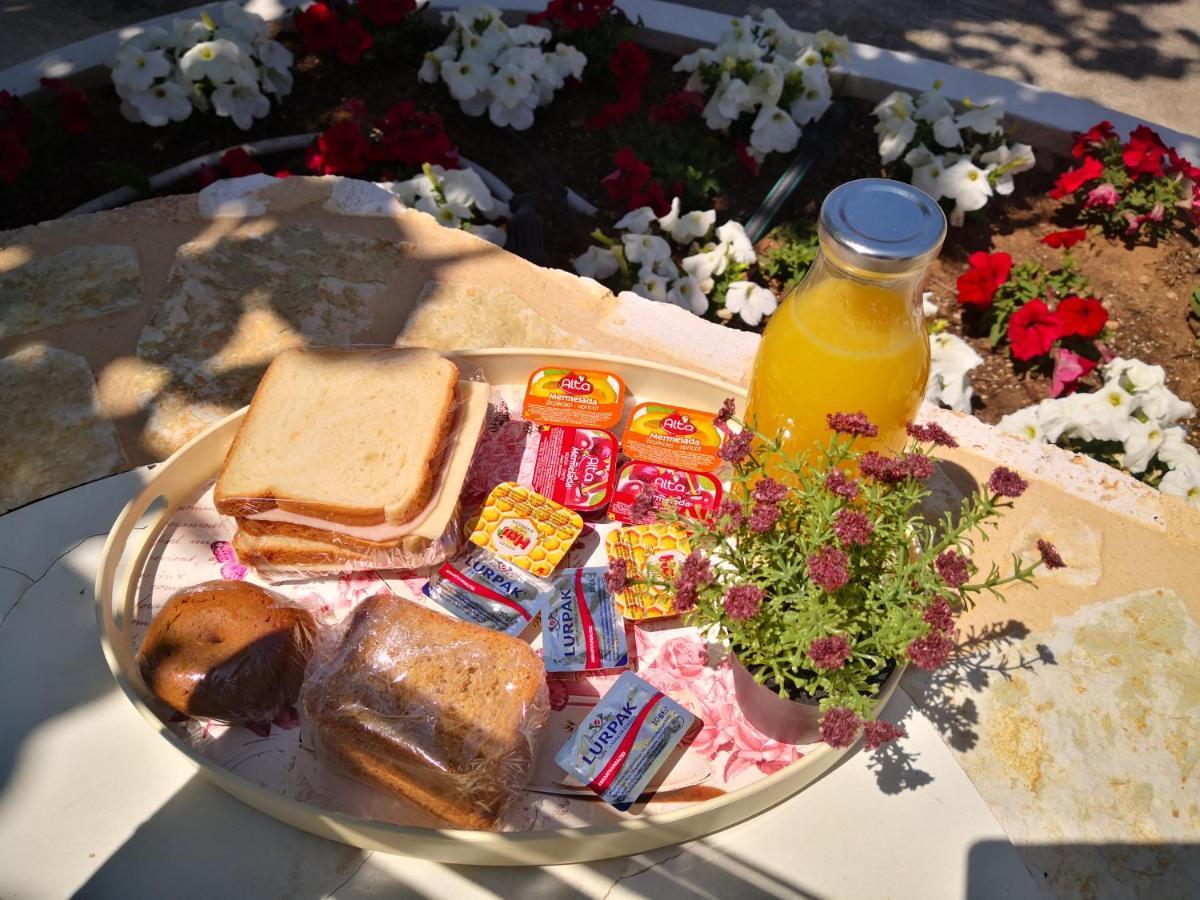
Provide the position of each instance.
(525, 528)
(624, 740)
(481, 588)
(581, 628)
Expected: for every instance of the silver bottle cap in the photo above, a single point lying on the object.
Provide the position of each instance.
(881, 225)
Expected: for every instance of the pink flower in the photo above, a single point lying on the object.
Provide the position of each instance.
(839, 727)
(736, 447)
(728, 408)
(763, 517)
(932, 651)
(852, 527)
(695, 570)
(1069, 367)
(855, 424)
(1104, 194)
(685, 598)
(617, 576)
(829, 568)
(742, 601)
(749, 748)
(769, 491)
(931, 433)
(1006, 483)
(731, 509)
(939, 616)
(837, 483)
(953, 567)
(886, 469)
(917, 465)
(685, 656)
(641, 511)
(879, 732)
(1050, 556)
(829, 652)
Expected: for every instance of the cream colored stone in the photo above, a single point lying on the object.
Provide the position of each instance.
(129, 385)
(232, 304)
(1079, 544)
(76, 283)
(54, 436)
(465, 317)
(1087, 733)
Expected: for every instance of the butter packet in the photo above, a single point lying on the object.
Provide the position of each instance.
(654, 551)
(481, 588)
(525, 528)
(581, 628)
(624, 740)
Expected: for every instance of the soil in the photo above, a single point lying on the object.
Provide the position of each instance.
(1146, 288)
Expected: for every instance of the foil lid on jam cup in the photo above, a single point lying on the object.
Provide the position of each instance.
(583, 397)
(576, 466)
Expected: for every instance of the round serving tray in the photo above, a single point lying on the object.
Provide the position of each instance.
(134, 535)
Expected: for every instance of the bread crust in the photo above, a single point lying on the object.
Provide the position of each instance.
(228, 503)
(450, 731)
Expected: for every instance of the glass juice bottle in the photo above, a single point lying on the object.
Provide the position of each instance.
(851, 336)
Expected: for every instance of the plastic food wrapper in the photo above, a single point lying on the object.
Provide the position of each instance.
(421, 706)
(654, 551)
(525, 528)
(227, 651)
(479, 587)
(286, 538)
(581, 628)
(575, 466)
(624, 740)
(583, 397)
(695, 494)
(673, 436)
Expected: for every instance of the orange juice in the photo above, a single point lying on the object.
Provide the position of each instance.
(839, 346)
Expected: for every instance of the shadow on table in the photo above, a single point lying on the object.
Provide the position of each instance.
(1090, 870)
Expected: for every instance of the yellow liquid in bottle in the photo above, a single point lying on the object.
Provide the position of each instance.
(839, 346)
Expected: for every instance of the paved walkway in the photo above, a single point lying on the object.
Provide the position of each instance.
(1141, 58)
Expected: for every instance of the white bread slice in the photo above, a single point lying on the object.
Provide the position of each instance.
(350, 436)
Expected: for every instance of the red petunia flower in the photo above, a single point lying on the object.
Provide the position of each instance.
(747, 162)
(630, 185)
(1096, 135)
(1032, 330)
(14, 157)
(978, 285)
(237, 162)
(619, 110)
(1144, 153)
(351, 41)
(1065, 240)
(342, 150)
(677, 107)
(206, 175)
(76, 114)
(630, 64)
(318, 26)
(1084, 316)
(15, 116)
(572, 15)
(1073, 179)
(1178, 165)
(386, 12)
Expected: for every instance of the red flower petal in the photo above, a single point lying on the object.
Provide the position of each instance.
(1032, 330)
(1073, 179)
(1065, 240)
(1083, 316)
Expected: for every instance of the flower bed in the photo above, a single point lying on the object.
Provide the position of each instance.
(638, 128)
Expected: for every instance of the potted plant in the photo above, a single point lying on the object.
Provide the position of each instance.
(820, 575)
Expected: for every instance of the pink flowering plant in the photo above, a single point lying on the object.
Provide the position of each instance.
(821, 575)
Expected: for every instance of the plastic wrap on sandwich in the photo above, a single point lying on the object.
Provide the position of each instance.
(352, 459)
(227, 651)
(442, 713)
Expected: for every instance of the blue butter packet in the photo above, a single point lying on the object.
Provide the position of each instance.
(624, 740)
(482, 588)
(581, 628)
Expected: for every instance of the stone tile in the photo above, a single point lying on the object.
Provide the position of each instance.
(54, 436)
(464, 317)
(232, 304)
(77, 283)
(1084, 740)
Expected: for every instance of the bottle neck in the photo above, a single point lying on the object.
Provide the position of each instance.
(827, 265)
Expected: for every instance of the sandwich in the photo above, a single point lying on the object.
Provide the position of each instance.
(352, 458)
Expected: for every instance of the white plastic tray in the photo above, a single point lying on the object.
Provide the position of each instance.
(123, 566)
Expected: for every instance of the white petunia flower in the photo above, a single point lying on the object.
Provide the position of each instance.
(1175, 451)
(510, 86)
(567, 60)
(982, 119)
(1025, 423)
(734, 99)
(816, 94)
(137, 69)
(967, 185)
(465, 188)
(1142, 440)
(688, 227)
(931, 106)
(1060, 416)
(686, 292)
(734, 237)
(164, 102)
(276, 68)
(645, 248)
(1005, 162)
(750, 301)
(218, 60)
(529, 34)
(240, 101)
(651, 286)
(187, 33)
(951, 362)
(1158, 402)
(1102, 416)
(431, 68)
(638, 220)
(519, 117)
(945, 132)
(493, 234)
(927, 171)
(445, 215)
(596, 262)
(465, 79)
(1183, 483)
(248, 23)
(834, 45)
(767, 84)
(774, 129)
(705, 266)
(666, 268)
(928, 307)
(1134, 375)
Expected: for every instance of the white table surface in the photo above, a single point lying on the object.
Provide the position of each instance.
(94, 803)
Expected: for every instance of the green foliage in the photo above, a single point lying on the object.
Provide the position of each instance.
(893, 578)
(794, 252)
(118, 173)
(686, 155)
(1194, 302)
